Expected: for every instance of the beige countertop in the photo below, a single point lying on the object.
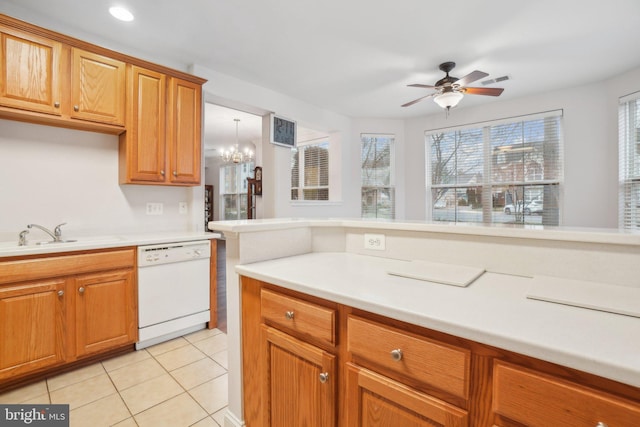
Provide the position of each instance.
(82, 243)
(492, 310)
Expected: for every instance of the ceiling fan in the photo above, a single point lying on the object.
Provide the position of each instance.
(450, 90)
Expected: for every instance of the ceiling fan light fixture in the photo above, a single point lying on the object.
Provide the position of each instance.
(448, 100)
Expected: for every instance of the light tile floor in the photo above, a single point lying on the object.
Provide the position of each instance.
(178, 383)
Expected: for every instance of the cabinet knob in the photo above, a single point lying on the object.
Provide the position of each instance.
(60, 293)
(76, 108)
(396, 354)
(56, 104)
(289, 315)
(81, 289)
(324, 377)
(601, 424)
(162, 173)
(175, 173)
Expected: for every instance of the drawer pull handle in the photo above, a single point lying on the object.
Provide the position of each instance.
(289, 315)
(396, 355)
(60, 293)
(324, 377)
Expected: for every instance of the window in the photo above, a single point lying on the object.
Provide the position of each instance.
(233, 181)
(629, 162)
(378, 186)
(507, 171)
(310, 171)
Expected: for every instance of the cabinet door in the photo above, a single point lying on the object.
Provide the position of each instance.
(31, 327)
(377, 401)
(105, 311)
(145, 138)
(300, 383)
(184, 130)
(30, 72)
(98, 88)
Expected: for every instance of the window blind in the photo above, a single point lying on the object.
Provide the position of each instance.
(377, 171)
(233, 197)
(497, 172)
(629, 161)
(310, 171)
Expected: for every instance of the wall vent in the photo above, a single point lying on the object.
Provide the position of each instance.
(496, 80)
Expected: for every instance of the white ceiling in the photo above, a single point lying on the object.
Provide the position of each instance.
(356, 57)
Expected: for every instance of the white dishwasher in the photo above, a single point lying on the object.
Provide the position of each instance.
(173, 290)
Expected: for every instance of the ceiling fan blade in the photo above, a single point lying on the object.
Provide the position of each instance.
(418, 100)
(471, 77)
(422, 86)
(490, 91)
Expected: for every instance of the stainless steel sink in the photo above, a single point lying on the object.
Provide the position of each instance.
(51, 242)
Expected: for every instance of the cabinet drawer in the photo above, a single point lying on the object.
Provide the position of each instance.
(430, 362)
(536, 399)
(297, 315)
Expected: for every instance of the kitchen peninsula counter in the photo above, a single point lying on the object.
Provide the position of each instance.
(328, 259)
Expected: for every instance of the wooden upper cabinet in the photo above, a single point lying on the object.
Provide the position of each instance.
(142, 147)
(97, 88)
(162, 144)
(30, 73)
(184, 131)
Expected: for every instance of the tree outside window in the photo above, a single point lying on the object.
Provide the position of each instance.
(507, 172)
(378, 186)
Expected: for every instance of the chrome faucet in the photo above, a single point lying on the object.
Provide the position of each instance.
(22, 238)
(56, 234)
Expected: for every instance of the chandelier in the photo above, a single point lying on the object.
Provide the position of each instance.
(234, 155)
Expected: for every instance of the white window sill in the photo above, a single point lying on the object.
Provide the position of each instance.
(296, 203)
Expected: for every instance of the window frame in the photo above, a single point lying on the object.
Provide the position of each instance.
(301, 188)
(629, 162)
(487, 186)
(390, 188)
(241, 189)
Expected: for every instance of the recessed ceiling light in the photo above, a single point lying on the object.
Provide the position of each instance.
(121, 13)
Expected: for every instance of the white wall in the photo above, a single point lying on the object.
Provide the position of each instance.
(51, 175)
(275, 202)
(590, 138)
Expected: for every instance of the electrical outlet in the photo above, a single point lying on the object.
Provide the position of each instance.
(182, 208)
(154, 208)
(374, 242)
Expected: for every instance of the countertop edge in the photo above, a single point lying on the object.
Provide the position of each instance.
(106, 242)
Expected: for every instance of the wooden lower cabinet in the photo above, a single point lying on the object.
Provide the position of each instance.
(374, 400)
(387, 373)
(105, 311)
(55, 310)
(300, 382)
(32, 333)
(525, 397)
